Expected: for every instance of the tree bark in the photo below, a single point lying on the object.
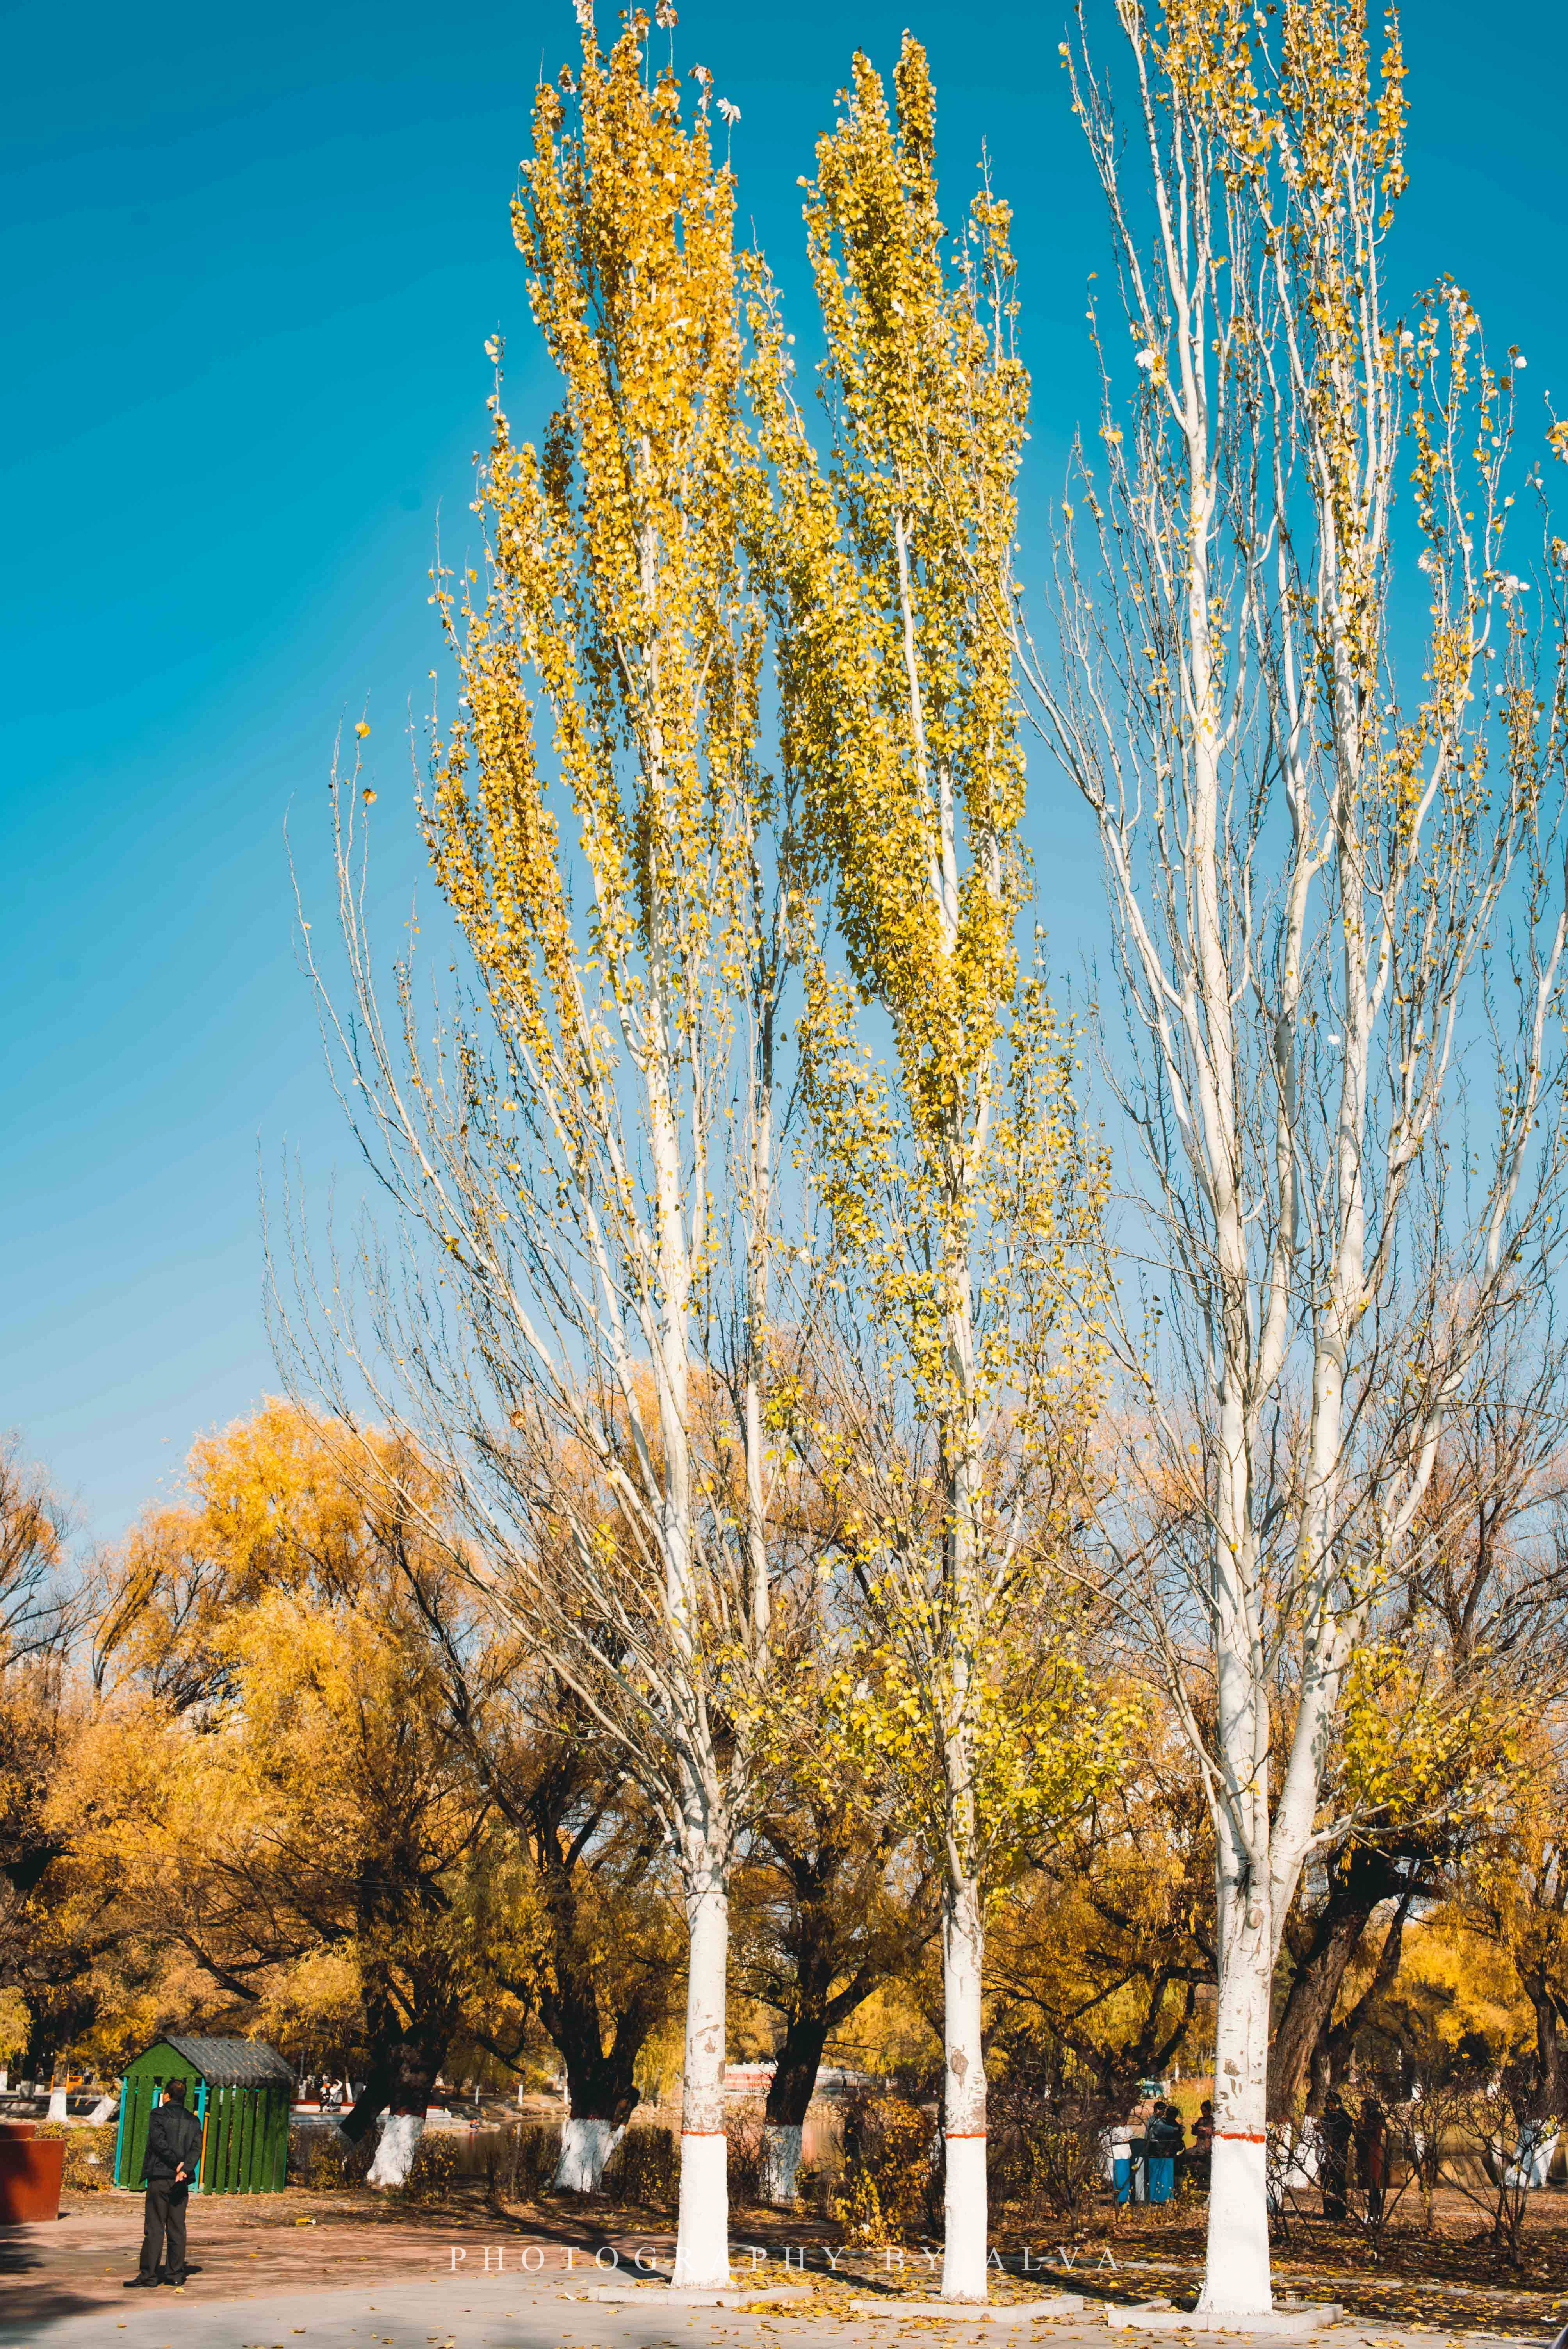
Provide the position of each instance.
(964, 2099)
(1354, 1895)
(1236, 2275)
(601, 2090)
(794, 2083)
(413, 2070)
(702, 2243)
(405, 2063)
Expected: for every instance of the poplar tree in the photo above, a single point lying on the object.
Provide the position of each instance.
(573, 1326)
(961, 1187)
(1299, 677)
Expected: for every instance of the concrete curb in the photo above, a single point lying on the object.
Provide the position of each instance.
(657, 2296)
(1281, 2324)
(1002, 2312)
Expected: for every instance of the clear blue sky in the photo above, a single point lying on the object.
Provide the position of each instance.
(251, 261)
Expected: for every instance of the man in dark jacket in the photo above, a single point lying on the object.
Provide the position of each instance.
(169, 2163)
(1335, 2131)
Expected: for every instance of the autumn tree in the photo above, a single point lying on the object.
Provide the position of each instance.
(271, 1789)
(1101, 1946)
(583, 1166)
(1463, 1651)
(834, 1900)
(960, 1185)
(39, 1710)
(1512, 1891)
(607, 1962)
(1335, 888)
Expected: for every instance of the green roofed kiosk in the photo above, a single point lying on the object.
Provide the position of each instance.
(239, 2090)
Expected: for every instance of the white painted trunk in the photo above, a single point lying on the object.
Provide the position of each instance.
(1236, 2279)
(964, 2103)
(57, 2105)
(702, 2239)
(585, 2146)
(400, 2134)
(780, 2163)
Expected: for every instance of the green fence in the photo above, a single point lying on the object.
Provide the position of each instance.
(239, 2091)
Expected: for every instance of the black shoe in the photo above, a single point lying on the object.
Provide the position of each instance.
(141, 2282)
(176, 2277)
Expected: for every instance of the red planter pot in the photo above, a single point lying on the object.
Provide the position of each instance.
(31, 2168)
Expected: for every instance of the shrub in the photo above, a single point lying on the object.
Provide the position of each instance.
(89, 2155)
(520, 2171)
(1045, 2152)
(435, 2169)
(743, 2150)
(644, 2169)
(323, 2161)
(814, 2188)
(889, 2177)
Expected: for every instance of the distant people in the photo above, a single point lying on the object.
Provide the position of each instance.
(1372, 2154)
(1200, 2165)
(1335, 2131)
(168, 2166)
(1166, 2141)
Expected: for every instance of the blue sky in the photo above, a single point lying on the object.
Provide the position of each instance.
(251, 262)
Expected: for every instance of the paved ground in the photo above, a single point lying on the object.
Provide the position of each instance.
(300, 2272)
(507, 2311)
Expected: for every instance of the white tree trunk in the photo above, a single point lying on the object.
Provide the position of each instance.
(57, 2105)
(1236, 2281)
(400, 2136)
(964, 2103)
(585, 2146)
(702, 2240)
(780, 2163)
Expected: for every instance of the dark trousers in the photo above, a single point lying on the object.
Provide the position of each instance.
(165, 2217)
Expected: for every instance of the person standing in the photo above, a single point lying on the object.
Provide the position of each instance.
(168, 2166)
(1335, 2130)
(1372, 2154)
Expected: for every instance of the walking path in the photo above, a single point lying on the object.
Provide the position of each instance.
(297, 2272)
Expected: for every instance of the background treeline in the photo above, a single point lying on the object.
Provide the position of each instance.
(268, 1768)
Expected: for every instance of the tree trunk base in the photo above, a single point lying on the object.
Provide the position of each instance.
(964, 2280)
(779, 2164)
(395, 2154)
(585, 2146)
(702, 2240)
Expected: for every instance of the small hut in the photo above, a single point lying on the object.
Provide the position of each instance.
(239, 2090)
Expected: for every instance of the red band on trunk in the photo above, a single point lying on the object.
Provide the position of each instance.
(704, 2132)
(1245, 2137)
(952, 2134)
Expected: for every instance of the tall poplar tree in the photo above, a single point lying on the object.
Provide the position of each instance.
(573, 1327)
(1300, 681)
(961, 1187)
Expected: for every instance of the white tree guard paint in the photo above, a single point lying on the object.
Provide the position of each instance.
(964, 2212)
(702, 2238)
(400, 2136)
(585, 2146)
(780, 2163)
(964, 2103)
(1237, 2280)
(57, 2105)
